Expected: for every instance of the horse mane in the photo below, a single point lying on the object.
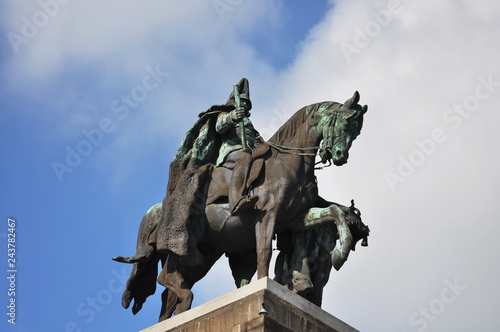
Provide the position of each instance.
(289, 128)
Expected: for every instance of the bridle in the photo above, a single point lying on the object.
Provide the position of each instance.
(324, 152)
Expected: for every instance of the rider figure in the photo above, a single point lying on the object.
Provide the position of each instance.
(238, 139)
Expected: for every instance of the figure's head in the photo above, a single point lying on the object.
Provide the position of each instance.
(359, 230)
(244, 93)
(245, 101)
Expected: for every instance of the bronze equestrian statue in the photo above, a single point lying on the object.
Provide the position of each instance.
(198, 220)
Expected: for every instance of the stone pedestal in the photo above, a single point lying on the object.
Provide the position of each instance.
(241, 311)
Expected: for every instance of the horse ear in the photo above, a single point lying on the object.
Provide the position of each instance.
(364, 109)
(349, 103)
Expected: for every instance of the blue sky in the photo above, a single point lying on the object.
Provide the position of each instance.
(95, 99)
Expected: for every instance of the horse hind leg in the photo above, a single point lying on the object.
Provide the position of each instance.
(171, 278)
(169, 302)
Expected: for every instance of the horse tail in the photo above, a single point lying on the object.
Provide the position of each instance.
(142, 280)
(144, 247)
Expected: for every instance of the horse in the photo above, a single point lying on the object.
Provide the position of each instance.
(286, 188)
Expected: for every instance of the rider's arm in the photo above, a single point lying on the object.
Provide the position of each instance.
(224, 122)
(228, 120)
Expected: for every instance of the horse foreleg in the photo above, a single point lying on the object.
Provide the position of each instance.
(171, 278)
(169, 301)
(341, 251)
(242, 266)
(264, 231)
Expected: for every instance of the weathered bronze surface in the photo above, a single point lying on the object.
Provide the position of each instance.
(230, 192)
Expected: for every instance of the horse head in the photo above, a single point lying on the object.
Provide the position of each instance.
(343, 125)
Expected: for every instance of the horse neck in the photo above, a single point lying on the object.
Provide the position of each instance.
(300, 144)
(304, 136)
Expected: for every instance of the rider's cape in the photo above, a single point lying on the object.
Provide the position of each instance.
(189, 176)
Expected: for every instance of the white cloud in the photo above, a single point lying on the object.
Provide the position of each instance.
(429, 57)
(437, 224)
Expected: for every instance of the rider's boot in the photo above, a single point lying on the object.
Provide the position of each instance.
(239, 199)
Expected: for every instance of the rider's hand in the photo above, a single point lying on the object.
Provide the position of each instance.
(238, 114)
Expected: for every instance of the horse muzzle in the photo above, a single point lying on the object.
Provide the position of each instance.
(339, 162)
(339, 156)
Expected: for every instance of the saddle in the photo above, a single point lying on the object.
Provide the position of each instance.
(221, 176)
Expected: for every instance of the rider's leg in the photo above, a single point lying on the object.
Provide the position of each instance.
(238, 199)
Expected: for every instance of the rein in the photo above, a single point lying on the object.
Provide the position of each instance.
(326, 141)
(289, 149)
